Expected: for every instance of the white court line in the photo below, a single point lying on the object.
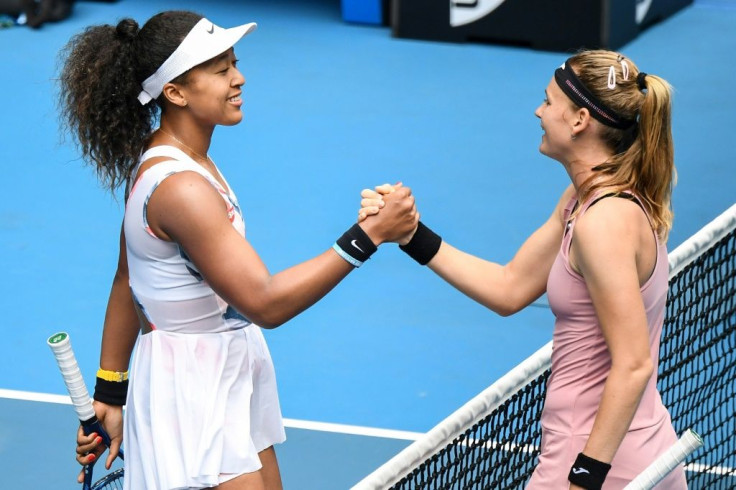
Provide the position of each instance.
(353, 429)
(292, 423)
(311, 425)
(701, 468)
(35, 397)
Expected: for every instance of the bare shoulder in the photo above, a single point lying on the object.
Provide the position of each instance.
(568, 194)
(184, 203)
(187, 189)
(611, 222)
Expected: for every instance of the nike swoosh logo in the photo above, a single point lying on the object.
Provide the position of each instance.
(354, 243)
(211, 29)
(577, 471)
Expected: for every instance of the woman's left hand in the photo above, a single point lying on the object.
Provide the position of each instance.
(397, 222)
(372, 200)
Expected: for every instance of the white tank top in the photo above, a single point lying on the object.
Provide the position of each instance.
(165, 284)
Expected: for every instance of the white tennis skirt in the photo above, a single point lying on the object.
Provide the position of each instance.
(200, 408)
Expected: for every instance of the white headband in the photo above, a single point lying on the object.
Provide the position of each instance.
(204, 42)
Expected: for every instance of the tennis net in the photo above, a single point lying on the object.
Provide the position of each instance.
(492, 442)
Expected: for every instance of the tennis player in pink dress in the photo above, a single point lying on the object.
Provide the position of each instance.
(581, 365)
(602, 260)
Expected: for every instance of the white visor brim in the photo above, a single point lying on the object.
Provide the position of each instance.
(204, 42)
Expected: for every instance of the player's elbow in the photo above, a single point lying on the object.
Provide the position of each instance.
(509, 305)
(271, 314)
(260, 309)
(269, 323)
(267, 320)
(515, 294)
(268, 326)
(637, 370)
(646, 368)
(505, 310)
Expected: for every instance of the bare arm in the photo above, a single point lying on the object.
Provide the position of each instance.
(118, 338)
(188, 210)
(508, 288)
(607, 243)
(121, 321)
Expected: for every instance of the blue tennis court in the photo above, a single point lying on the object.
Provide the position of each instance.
(330, 108)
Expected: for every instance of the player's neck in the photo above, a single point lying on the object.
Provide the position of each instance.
(191, 139)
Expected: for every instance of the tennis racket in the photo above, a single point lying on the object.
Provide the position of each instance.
(666, 462)
(62, 349)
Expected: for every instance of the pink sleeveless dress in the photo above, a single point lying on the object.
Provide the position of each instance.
(580, 366)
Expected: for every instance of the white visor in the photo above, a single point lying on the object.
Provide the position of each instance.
(204, 42)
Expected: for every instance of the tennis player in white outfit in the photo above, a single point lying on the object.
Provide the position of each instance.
(202, 403)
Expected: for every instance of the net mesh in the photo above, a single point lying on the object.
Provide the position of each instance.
(698, 361)
(697, 381)
(498, 451)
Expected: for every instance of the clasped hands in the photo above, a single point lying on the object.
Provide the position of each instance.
(392, 206)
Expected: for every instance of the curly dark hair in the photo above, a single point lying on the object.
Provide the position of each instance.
(102, 71)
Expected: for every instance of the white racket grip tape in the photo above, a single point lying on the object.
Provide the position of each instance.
(62, 348)
(666, 462)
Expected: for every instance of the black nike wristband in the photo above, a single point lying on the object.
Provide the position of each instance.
(355, 246)
(588, 473)
(424, 245)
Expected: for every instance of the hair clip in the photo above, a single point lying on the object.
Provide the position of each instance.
(611, 77)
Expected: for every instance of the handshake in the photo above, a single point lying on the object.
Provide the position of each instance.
(388, 213)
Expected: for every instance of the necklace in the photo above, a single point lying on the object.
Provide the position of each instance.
(205, 158)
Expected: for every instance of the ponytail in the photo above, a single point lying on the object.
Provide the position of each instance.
(101, 75)
(657, 174)
(98, 106)
(643, 160)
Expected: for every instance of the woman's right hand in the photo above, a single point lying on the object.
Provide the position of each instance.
(90, 447)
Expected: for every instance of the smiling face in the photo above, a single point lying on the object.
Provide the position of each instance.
(213, 91)
(556, 114)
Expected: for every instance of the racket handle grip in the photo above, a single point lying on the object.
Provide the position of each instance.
(62, 348)
(668, 461)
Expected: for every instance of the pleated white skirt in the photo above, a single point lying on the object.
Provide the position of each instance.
(200, 408)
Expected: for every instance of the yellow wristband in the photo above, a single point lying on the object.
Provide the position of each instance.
(115, 376)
